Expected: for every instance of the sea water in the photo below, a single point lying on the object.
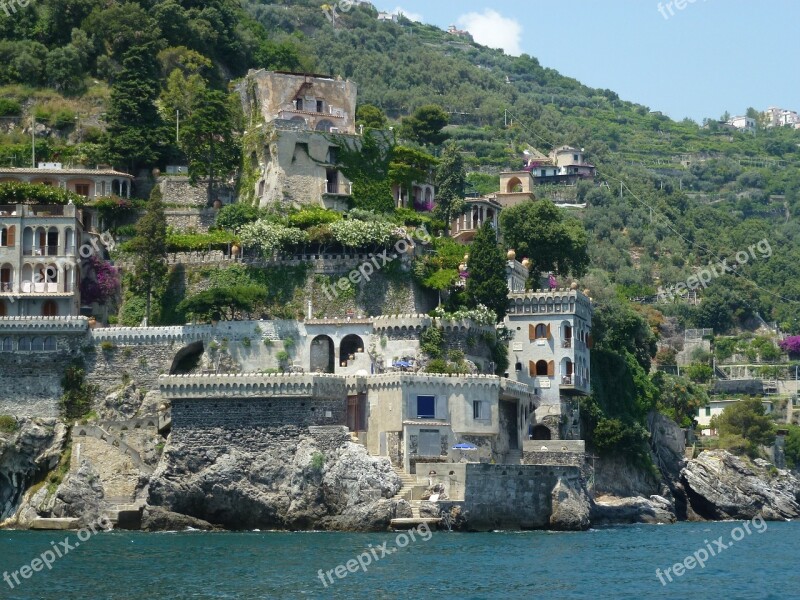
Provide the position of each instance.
(614, 563)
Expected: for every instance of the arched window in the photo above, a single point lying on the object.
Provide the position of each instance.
(541, 331)
(541, 368)
(24, 344)
(6, 345)
(37, 345)
(49, 344)
(7, 235)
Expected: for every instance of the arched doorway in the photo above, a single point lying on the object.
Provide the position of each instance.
(321, 355)
(541, 432)
(50, 309)
(324, 125)
(350, 346)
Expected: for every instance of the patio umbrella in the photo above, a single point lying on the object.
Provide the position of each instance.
(465, 446)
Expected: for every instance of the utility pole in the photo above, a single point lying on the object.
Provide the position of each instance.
(33, 141)
(177, 127)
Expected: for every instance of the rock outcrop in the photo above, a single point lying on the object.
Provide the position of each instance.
(610, 510)
(79, 496)
(25, 455)
(571, 507)
(720, 485)
(155, 518)
(282, 478)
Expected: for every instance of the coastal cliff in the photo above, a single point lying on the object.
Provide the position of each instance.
(285, 478)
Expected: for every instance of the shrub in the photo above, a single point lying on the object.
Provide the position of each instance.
(317, 461)
(107, 346)
(8, 424)
(9, 108)
(282, 356)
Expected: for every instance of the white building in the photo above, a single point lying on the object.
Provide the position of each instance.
(39, 256)
(549, 351)
(743, 123)
(781, 117)
(716, 408)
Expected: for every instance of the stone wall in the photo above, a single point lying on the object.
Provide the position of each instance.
(177, 190)
(232, 413)
(564, 459)
(142, 364)
(513, 496)
(30, 381)
(197, 219)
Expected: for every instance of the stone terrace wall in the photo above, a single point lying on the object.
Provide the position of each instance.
(141, 364)
(197, 219)
(256, 412)
(30, 382)
(178, 190)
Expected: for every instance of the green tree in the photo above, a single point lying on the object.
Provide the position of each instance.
(451, 178)
(487, 282)
(136, 132)
(425, 125)
(371, 117)
(679, 398)
(550, 239)
(793, 447)
(744, 426)
(208, 140)
(149, 250)
(224, 302)
(234, 216)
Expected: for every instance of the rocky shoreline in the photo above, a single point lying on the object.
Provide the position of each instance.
(315, 478)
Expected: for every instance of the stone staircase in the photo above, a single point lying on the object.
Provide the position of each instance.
(405, 492)
(513, 457)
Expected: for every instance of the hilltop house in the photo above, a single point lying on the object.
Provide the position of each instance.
(565, 165)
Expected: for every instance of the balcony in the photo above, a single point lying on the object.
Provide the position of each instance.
(336, 188)
(42, 251)
(566, 343)
(574, 385)
(50, 288)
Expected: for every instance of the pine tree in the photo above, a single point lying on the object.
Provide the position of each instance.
(149, 248)
(487, 282)
(208, 139)
(135, 130)
(451, 179)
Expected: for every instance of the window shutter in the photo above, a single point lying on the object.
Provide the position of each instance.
(590, 341)
(10, 239)
(551, 368)
(549, 335)
(532, 369)
(531, 332)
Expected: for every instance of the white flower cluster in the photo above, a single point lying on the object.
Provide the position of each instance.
(353, 233)
(270, 237)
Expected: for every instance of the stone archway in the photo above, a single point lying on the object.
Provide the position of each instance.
(514, 185)
(541, 432)
(321, 355)
(187, 359)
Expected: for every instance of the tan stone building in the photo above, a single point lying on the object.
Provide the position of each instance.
(297, 120)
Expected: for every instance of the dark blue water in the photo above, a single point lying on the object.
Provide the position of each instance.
(608, 563)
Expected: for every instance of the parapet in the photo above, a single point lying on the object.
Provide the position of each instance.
(564, 301)
(44, 324)
(508, 387)
(153, 335)
(418, 322)
(322, 386)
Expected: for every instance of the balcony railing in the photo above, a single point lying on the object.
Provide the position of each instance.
(35, 287)
(45, 251)
(338, 189)
(566, 343)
